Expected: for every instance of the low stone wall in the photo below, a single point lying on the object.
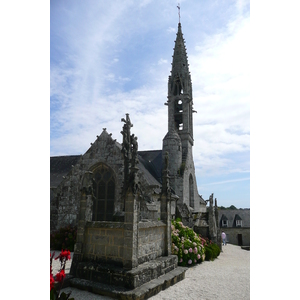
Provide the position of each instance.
(151, 240)
(104, 242)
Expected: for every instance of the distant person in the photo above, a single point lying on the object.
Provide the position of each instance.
(224, 238)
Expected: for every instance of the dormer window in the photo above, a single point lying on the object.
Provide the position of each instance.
(224, 223)
(238, 221)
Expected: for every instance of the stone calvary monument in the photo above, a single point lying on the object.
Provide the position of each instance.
(122, 200)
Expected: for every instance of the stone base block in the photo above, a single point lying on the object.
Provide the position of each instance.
(130, 279)
(141, 292)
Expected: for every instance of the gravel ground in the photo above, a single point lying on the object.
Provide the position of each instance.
(226, 278)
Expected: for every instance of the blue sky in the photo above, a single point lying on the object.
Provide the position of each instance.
(108, 58)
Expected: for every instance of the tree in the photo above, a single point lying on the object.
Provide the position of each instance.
(232, 207)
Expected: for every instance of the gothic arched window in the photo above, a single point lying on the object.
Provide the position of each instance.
(191, 191)
(104, 194)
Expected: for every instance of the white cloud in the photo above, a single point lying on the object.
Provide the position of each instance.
(162, 61)
(221, 89)
(172, 30)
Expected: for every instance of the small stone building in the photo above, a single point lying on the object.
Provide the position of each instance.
(236, 224)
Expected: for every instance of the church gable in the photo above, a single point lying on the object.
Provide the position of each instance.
(103, 165)
(104, 148)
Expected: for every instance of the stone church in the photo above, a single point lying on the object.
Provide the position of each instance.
(122, 199)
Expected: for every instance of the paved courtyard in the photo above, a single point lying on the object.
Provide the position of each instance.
(226, 278)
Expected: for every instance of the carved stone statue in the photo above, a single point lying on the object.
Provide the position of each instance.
(130, 152)
(126, 136)
(134, 150)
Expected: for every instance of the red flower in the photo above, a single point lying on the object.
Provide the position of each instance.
(51, 282)
(60, 276)
(64, 254)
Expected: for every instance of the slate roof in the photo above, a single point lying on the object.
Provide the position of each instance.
(224, 218)
(150, 163)
(237, 217)
(60, 166)
(152, 160)
(234, 214)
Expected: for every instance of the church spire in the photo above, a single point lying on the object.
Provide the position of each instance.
(180, 98)
(180, 62)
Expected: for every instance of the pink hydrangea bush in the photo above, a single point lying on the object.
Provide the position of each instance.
(186, 244)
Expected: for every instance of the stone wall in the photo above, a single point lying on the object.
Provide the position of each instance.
(104, 242)
(233, 232)
(151, 240)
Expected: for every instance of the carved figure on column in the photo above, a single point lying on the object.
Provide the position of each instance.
(130, 152)
(126, 137)
(133, 180)
(134, 143)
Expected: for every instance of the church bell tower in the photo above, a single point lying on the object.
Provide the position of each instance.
(179, 141)
(180, 97)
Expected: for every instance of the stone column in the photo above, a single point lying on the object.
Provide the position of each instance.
(219, 239)
(130, 254)
(165, 206)
(212, 220)
(165, 216)
(85, 215)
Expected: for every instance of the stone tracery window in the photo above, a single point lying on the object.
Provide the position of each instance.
(104, 194)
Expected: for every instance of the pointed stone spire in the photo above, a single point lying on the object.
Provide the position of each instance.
(180, 64)
(180, 98)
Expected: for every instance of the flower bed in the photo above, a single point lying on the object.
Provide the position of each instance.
(190, 247)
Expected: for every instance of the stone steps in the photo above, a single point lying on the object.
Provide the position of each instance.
(142, 292)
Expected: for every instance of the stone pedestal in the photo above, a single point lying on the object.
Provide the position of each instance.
(130, 257)
(85, 215)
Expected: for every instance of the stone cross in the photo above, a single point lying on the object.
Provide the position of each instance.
(178, 6)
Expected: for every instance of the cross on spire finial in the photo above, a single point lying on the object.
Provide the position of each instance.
(178, 6)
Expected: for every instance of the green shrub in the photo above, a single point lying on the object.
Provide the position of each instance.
(64, 238)
(208, 253)
(212, 251)
(216, 250)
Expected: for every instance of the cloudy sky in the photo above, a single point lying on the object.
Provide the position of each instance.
(108, 58)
